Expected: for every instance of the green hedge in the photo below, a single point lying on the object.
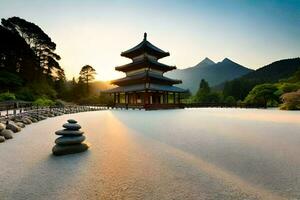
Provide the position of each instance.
(6, 96)
(43, 102)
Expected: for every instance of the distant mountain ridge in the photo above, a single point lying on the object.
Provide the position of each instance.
(214, 73)
(271, 73)
(275, 71)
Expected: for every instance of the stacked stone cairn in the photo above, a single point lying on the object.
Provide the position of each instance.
(70, 140)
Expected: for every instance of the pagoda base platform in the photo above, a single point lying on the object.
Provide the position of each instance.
(148, 106)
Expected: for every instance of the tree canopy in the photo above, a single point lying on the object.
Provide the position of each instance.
(262, 94)
(87, 74)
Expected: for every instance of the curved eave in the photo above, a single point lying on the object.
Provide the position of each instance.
(141, 88)
(145, 77)
(145, 63)
(145, 47)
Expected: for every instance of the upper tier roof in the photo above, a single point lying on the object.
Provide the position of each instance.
(145, 62)
(145, 47)
(143, 77)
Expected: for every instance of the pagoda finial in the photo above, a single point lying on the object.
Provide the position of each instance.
(145, 36)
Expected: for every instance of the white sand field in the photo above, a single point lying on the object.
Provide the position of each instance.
(173, 154)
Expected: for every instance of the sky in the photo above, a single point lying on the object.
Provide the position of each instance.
(252, 33)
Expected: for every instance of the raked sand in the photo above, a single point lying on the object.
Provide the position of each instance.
(171, 154)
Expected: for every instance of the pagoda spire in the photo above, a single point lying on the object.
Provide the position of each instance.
(145, 36)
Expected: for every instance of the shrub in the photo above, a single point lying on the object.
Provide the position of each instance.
(230, 100)
(59, 102)
(25, 94)
(291, 101)
(6, 96)
(43, 102)
(260, 95)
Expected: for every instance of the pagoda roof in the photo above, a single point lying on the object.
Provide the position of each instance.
(143, 77)
(145, 62)
(145, 47)
(142, 87)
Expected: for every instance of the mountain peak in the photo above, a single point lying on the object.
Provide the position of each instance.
(226, 60)
(205, 62)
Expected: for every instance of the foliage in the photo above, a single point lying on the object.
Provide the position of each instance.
(238, 88)
(205, 95)
(25, 94)
(102, 98)
(230, 100)
(43, 102)
(87, 74)
(38, 41)
(28, 60)
(9, 80)
(286, 87)
(6, 96)
(60, 103)
(291, 101)
(260, 95)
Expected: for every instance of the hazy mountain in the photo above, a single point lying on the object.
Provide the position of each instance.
(214, 73)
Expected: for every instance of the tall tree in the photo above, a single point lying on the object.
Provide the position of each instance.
(39, 42)
(203, 88)
(87, 74)
(17, 60)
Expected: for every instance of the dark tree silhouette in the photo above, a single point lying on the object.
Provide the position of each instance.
(87, 74)
(39, 42)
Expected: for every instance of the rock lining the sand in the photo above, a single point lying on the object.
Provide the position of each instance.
(7, 134)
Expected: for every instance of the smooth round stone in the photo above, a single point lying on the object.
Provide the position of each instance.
(20, 124)
(66, 132)
(67, 140)
(2, 127)
(7, 134)
(72, 121)
(13, 127)
(26, 121)
(34, 120)
(59, 150)
(70, 126)
(2, 139)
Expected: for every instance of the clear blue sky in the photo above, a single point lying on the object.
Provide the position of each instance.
(252, 33)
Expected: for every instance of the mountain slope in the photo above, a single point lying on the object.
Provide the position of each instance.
(214, 73)
(274, 72)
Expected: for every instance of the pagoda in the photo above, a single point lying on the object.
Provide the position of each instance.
(145, 86)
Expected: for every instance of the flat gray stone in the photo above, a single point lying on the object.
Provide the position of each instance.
(67, 140)
(59, 150)
(2, 139)
(69, 132)
(72, 121)
(7, 134)
(70, 126)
